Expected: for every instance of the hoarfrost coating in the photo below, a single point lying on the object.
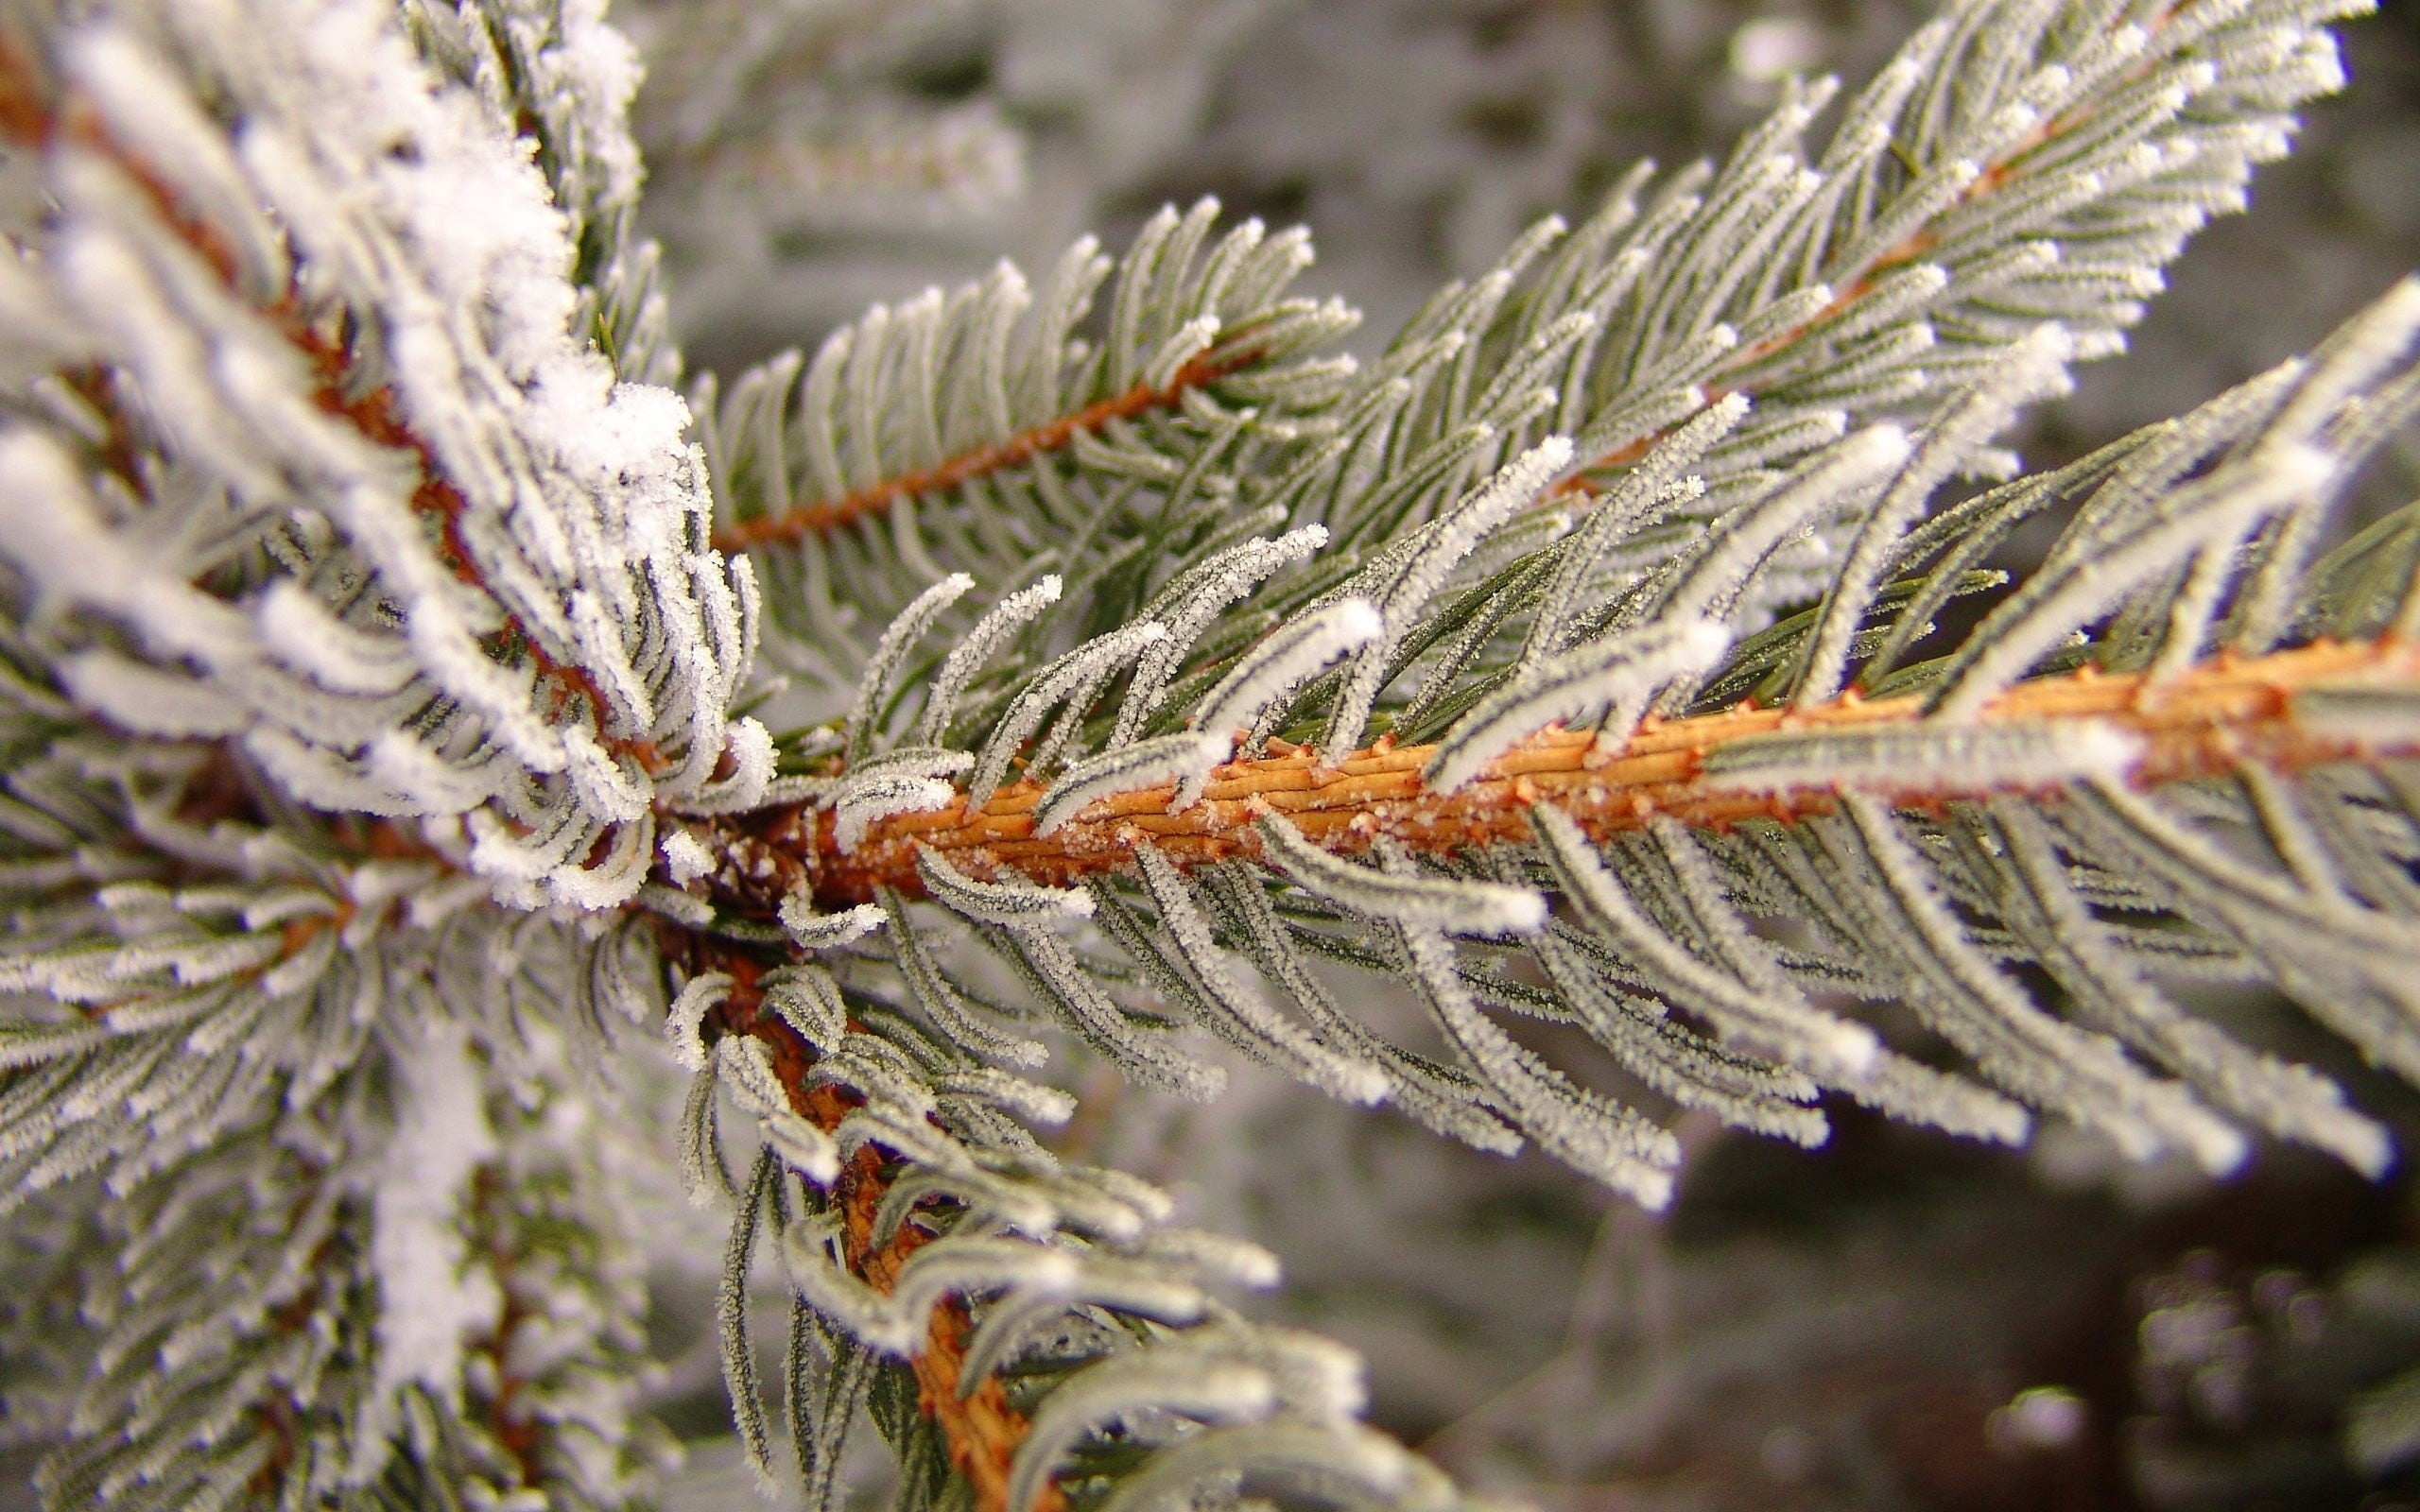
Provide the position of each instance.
(532, 530)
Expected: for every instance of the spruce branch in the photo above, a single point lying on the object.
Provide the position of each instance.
(417, 584)
(1845, 286)
(2053, 703)
(980, 428)
(1710, 770)
(981, 1429)
(822, 516)
(40, 114)
(372, 679)
(935, 1232)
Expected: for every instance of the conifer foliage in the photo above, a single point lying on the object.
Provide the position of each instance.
(414, 705)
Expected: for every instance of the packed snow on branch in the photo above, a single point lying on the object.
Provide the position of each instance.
(494, 595)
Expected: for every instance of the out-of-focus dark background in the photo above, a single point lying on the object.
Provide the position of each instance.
(1897, 1321)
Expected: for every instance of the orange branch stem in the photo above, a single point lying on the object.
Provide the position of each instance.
(827, 515)
(981, 1426)
(2211, 718)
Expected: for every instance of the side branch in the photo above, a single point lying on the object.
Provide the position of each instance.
(2224, 713)
(29, 118)
(981, 1426)
(824, 516)
(1853, 285)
